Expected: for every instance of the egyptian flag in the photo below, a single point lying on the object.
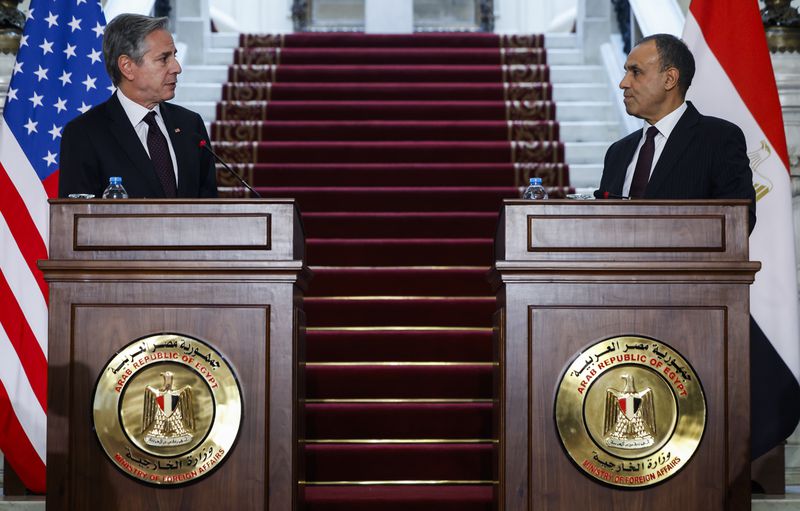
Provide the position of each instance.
(735, 81)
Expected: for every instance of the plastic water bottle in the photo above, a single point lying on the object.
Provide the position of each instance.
(115, 190)
(535, 190)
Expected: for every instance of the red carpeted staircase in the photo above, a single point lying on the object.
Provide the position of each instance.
(399, 151)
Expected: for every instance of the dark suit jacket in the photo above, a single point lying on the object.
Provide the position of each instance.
(704, 158)
(102, 143)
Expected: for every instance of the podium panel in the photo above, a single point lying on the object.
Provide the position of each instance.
(228, 274)
(568, 301)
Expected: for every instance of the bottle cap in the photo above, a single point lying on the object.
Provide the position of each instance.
(115, 180)
(536, 180)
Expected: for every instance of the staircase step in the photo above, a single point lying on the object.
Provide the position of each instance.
(586, 175)
(558, 40)
(225, 40)
(559, 56)
(376, 91)
(457, 281)
(792, 457)
(576, 73)
(207, 73)
(564, 56)
(401, 199)
(404, 344)
(36, 503)
(362, 40)
(391, 381)
(554, 40)
(382, 421)
(384, 130)
(459, 462)
(205, 109)
(392, 174)
(200, 92)
(595, 91)
(575, 111)
(399, 498)
(399, 252)
(400, 225)
(585, 152)
(578, 111)
(327, 56)
(216, 56)
(399, 73)
(401, 152)
(399, 311)
(604, 132)
(390, 110)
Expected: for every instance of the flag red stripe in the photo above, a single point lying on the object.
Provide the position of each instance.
(17, 449)
(22, 227)
(50, 184)
(745, 63)
(34, 362)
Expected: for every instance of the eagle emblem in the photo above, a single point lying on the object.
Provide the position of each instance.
(168, 416)
(629, 417)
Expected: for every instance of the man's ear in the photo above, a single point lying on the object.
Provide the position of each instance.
(125, 64)
(671, 78)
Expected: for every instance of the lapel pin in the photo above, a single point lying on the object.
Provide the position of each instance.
(177, 130)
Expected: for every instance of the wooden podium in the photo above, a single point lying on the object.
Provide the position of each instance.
(229, 273)
(570, 274)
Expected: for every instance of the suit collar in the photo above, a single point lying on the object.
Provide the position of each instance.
(134, 110)
(667, 124)
(676, 144)
(120, 126)
(628, 146)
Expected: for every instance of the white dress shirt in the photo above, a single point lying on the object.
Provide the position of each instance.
(136, 113)
(664, 127)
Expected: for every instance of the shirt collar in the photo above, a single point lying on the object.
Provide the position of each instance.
(134, 110)
(668, 122)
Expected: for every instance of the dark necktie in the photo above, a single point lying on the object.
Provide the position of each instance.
(641, 174)
(159, 154)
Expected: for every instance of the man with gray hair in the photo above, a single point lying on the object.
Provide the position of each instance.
(153, 145)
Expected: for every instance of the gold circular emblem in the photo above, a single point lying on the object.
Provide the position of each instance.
(630, 411)
(167, 409)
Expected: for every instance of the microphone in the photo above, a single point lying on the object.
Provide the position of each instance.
(608, 195)
(204, 145)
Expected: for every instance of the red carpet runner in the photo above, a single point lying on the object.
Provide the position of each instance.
(399, 150)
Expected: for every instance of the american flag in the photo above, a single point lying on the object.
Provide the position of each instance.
(59, 73)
